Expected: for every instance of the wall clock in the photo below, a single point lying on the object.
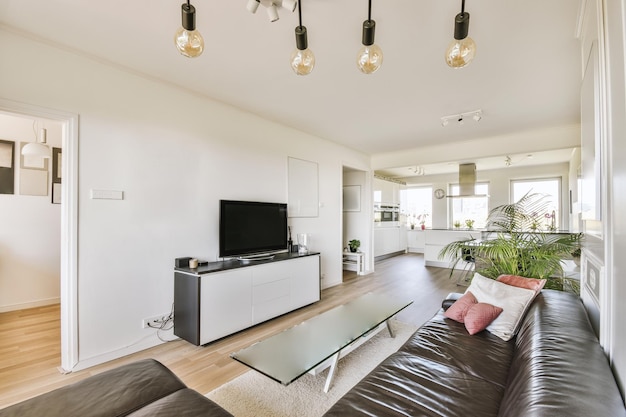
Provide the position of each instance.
(439, 193)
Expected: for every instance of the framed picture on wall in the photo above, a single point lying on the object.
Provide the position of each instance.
(56, 192)
(7, 167)
(352, 198)
(56, 165)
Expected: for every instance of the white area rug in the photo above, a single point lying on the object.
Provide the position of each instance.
(255, 395)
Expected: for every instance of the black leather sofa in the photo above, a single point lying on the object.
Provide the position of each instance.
(553, 367)
(140, 389)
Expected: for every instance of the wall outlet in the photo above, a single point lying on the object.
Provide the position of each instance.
(154, 321)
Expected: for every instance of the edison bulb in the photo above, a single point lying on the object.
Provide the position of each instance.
(189, 42)
(302, 61)
(369, 58)
(460, 52)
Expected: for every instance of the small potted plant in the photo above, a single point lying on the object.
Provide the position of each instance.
(469, 223)
(457, 224)
(422, 219)
(354, 245)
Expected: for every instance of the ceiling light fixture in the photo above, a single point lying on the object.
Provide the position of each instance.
(418, 170)
(272, 12)
(253, 5)
(188, 40)
(370, 56)
(290, 5)
(462, 49)
(302, 58)
(38, 148)
(476, 115)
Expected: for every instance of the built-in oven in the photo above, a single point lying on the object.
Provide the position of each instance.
(386, 213)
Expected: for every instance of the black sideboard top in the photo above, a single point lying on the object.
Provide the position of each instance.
(236, 263)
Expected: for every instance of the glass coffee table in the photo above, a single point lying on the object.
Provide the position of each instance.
(321, 341)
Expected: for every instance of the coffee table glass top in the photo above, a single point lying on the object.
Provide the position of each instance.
(290, 354)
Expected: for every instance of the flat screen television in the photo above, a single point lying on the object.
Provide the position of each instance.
(250, 227)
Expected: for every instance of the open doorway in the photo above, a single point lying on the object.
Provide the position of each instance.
(67, 239)
(356, 223)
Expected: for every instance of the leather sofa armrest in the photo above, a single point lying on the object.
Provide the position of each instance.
(450, 299)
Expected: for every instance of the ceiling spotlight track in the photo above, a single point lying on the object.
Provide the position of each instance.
(462, 49)
(370, 56)
(188, 40)
(475, 115)
(302, 58)
(272, 7)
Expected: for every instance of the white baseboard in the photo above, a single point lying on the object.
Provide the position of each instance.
(146, 343)
(30, 304)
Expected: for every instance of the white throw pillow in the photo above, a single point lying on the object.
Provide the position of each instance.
(514, 302)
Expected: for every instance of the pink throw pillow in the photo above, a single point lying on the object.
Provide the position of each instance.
(459, 309)
(479, 316)
(522, 282)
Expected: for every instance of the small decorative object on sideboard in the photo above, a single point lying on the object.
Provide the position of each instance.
(354, 245)
(469, 223)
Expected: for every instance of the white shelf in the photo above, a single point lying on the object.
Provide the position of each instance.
(353, 261)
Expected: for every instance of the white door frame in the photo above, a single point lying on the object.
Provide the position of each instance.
(69, 223)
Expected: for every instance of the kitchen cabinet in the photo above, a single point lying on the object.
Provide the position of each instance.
(388, 240)
(387, 192)
(415, 240)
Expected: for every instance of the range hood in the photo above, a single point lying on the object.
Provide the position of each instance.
(467, 181)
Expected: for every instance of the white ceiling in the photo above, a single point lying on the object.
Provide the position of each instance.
(526, 73)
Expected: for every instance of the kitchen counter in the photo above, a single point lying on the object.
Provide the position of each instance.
(436, 239)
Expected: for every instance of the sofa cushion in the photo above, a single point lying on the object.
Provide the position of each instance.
(446, 342)
(182, 403)
(522, 282)
(112, 393)
(513, 300)
(406, 385)
(459, 309)
(479, 316)
(559, 369)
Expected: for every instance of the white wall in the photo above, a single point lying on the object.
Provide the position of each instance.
(30, 230)
(499, 187)
(615, 16)
(174, 155)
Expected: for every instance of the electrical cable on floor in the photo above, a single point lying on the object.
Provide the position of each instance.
(166, 325)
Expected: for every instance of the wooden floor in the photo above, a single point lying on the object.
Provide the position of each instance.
(30, 339)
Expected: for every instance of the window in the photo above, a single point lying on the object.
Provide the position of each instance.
(466, 209)
(551, 188)
(416, 202)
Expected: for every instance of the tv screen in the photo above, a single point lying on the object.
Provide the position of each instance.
(249, 227)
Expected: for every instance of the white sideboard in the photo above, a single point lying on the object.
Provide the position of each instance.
(222, 298)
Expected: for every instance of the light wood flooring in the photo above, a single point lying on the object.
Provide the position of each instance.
(30, 339)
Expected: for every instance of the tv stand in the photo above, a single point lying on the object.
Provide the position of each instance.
(221, 298)
(259, 257)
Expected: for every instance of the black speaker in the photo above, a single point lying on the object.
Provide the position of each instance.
(182, 262)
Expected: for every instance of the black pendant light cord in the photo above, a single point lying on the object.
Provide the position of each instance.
(369, 10)
(300, 12)
(462, 6)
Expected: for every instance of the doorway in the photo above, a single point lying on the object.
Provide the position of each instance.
(69, 221)
(356, 221)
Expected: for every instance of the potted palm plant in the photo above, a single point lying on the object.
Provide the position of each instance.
(513, 246)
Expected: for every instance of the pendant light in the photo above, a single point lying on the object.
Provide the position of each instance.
(39, 148)
(188, 40)
(370, 56)
(462, 49)
(302, 58)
